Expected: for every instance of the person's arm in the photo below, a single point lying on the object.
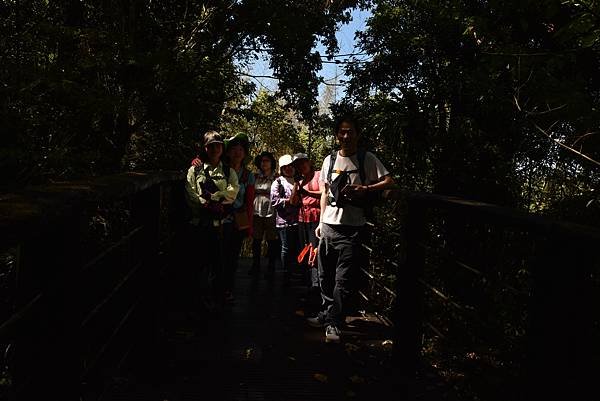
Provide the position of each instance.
(313, 194)
(324, 188)
(385, 182)
(305, 188)
(381, 178)
(295, 196)
(197, 162)
(230, 192)
(276, 200)
(193, 190)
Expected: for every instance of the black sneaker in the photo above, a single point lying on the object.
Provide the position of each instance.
(332, 334)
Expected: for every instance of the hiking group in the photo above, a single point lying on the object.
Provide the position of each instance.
(307, 217)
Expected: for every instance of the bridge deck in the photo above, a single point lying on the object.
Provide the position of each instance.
(259, 349)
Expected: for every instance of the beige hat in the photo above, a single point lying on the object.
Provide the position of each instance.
(285, 160)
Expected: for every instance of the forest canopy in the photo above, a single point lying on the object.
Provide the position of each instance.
(495, 101)
(92, 87)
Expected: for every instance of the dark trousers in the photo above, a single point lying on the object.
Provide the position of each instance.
(203, 243)
(232, 246)
(289, 247)
(272, 253)
(339, 258)
(308, 236)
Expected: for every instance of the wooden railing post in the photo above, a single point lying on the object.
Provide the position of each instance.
(47, 355)
(409, 295)
(147, 213)
(561, 342)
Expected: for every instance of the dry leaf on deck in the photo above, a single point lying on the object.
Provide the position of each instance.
(357, 379)
(320, 377)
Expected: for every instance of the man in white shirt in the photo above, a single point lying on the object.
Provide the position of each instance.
(345, 189)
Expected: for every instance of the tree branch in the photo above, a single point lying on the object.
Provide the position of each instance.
(584, 136)
(345, 55)
(346, 62)
(537, 54)
(565, 146)
(256, 76)
(550, 110)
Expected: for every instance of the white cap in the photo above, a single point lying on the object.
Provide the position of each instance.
(285, 160)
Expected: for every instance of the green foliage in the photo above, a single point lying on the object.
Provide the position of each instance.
(269, 124)
(272, 126)
(319, 139)
(496, 101)
(459, 91)
(96, 87)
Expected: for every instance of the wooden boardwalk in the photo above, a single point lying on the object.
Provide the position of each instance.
(116, 246)
(259, 348)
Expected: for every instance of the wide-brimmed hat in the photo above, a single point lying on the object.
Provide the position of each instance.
(238, 139)
(212, 137)
(260, 156)
(285, 160)
(299, 156)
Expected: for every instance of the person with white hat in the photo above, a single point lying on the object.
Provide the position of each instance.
(286, 215)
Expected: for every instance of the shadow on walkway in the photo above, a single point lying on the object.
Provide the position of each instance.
(259, 348)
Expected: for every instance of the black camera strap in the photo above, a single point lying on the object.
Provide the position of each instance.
(360, 156)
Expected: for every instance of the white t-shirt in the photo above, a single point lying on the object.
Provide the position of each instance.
(374, 171)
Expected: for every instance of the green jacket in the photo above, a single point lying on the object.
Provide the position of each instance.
(228, 188)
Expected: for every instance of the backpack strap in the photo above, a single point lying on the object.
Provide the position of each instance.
(362, 153)
(281, 188)
(332, 158)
